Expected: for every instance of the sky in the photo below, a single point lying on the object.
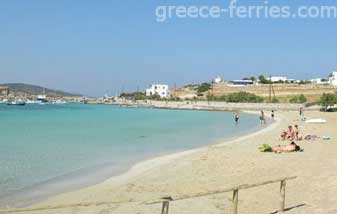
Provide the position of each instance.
(106, 46)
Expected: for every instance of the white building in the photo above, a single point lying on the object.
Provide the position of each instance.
(277, 79)
(241, 83)
(159, 89)
(333, 78)
(218, 79)
(319, 81)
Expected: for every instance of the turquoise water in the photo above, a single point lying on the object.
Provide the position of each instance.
(48, 149)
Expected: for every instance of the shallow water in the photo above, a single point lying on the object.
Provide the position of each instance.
(49, 149)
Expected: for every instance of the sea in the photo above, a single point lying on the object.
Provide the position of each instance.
(54, 148)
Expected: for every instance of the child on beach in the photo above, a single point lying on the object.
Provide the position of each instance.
(236, 118)
(272, 114)
(262, 118)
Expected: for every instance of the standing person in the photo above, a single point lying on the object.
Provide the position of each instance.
(272, 114)
(296, 130)
(236, 118)
(262, 118)
(302, 113)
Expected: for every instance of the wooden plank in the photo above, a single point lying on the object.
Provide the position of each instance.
(235, 201)
(268, 182)
(165, 207)
(184, 197)
(282, 196)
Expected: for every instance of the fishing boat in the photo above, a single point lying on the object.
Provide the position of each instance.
(4, 101)
(59, 102)
(33, 101)
(42, 97)
(16, 103)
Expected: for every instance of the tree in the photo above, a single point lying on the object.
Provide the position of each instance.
(263, 80)
(298, 99)
(328, 100)
(253, 79)
(243, 97)
(204, 87)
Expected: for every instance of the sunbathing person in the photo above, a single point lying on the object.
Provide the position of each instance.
(290, 148)
(283, 135)
(291, 135)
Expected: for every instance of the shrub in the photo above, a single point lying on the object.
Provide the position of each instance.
(328, 100)
(298, 99)
(275, 100)
(204, 87)
(244, 97)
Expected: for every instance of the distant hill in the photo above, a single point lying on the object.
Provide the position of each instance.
(36, 90)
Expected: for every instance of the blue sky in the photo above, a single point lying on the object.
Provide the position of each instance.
(92, 47)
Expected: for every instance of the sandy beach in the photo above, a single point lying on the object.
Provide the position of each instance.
(222, 166)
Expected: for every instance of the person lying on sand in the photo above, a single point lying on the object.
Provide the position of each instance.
(290, 148)
(293, 147)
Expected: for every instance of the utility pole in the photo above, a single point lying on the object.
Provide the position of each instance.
(271, 89)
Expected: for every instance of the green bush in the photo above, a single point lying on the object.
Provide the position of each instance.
(275, 100)
(298, 99)
(243, 97)
(134, 96)
(204, 87)
(328, 100)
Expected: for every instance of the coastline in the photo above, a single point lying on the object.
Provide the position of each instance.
(220, 166)
(145, 165)
(134, 169)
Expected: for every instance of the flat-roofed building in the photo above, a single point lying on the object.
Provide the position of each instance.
(4, 91)
(240, 83)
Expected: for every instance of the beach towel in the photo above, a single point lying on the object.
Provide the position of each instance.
(316, 120)
(265, 148)
(311, 137)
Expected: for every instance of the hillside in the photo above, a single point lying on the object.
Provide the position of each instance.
(21, 88)
(282, 91)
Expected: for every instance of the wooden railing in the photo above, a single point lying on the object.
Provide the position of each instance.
(165, 201)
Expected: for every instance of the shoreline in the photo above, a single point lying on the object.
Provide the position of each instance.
(134, 169)
(230, 163)
(146, 165)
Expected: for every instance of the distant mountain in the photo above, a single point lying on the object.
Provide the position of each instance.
(36, 90)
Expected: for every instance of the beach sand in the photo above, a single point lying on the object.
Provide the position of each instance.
(222, 166)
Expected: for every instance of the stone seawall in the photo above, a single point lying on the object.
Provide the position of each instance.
(213, 106)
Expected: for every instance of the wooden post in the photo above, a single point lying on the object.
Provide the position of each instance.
(165, 207)
(235, 201)
(282, 196)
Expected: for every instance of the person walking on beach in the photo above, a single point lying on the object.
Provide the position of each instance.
(302, 113)
(262, 118)
(272, 114)
(236, 118)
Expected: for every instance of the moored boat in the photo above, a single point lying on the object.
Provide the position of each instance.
(16, 102)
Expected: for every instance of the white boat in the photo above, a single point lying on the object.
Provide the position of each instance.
(33, 101)
(59, 102)
(18, 102)
(4, 101)
(42, 97)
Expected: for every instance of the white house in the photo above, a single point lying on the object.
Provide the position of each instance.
(241, 83)
(333, 78)
(159, 89)
(218, 79)
(277, 79)
(319, 81)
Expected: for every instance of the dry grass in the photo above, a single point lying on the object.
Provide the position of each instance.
(284, 92)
